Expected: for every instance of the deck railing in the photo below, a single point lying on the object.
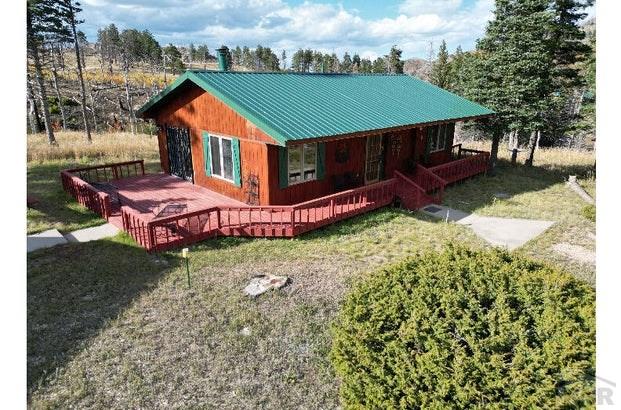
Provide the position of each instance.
(323, 211)
(454, 171)
(430, 182)
(412, 195)
(137, 226)
(159, 234)
(86, 194)
(109, 172)
(77, 182)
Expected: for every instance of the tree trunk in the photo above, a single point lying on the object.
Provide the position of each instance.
(128, 97)
(532, 144)
(493, 155)
(87, 127)
(34, 119)
(43, 95)
(93, 110)
(57, 89)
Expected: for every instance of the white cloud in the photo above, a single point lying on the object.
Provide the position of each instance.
(417, 7)
(274, 23)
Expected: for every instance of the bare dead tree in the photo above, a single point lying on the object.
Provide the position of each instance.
(34, 119)
(57, 89)
(34, 45)
(76, 44)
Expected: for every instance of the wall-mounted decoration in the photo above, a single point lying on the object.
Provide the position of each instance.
(395, 144)
(252, 182)
(342, 153)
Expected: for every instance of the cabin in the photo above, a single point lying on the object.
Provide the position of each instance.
(280, 153)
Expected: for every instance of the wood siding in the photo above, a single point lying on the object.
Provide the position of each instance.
(400, 147)
(200, 111)
(193, 108)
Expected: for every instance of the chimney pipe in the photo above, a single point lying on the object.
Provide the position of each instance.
(223, 62)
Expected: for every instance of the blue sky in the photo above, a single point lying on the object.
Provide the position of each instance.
(365, 27)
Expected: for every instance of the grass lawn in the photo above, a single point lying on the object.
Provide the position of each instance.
(112, 326)
(57, 210)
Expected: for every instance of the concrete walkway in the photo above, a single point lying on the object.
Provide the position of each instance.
(510, 233)
(52, 237)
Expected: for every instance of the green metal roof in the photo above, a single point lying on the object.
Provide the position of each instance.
(297, 106)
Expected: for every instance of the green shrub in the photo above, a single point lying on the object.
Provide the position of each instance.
(465, 328)
(589, 212)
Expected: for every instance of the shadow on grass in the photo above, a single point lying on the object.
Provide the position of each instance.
(75, 290)
(478, 192)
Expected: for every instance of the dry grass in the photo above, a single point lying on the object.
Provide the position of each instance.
(73, 146)
(125, 332)
(110, 326)
(548, 158)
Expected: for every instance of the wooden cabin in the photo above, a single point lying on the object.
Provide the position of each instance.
(285, 138)
(280, 154)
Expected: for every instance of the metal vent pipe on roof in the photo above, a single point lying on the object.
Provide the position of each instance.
(223, 60)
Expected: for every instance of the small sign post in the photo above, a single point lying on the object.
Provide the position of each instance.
(184, 254)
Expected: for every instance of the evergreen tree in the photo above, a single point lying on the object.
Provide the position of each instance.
(297, 61)
(356, 63)
(335, 64)
(247, 59)
(237, 56)
(456, 67)
(347, 64)
(44, 19)
(441, 72)
(172, 59)
(366, 66)
(393, 61)
(283, 59)
(318, 62)
(379, 65)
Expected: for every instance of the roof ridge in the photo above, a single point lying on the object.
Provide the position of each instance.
(299, 73)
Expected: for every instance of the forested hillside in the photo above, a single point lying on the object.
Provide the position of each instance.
(545, 95)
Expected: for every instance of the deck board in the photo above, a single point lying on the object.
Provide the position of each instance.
(151, 193)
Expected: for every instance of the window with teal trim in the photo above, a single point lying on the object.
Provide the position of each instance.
(222, 161)
(302, 163)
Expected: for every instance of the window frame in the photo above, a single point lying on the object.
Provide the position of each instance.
(221, 157)
(434, 145)
(302, 169)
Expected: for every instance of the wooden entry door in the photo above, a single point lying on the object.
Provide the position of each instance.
(374, 159)
(179, 152)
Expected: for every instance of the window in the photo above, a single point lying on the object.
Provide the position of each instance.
(302, 163)
(438, 138)
(221, 157)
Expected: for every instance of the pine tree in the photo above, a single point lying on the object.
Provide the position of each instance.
(356, 63)
(441, 71)
(297, 61)
(347, 64)
(283, 60)
(394, 64)
(44, 18)
(379, 65)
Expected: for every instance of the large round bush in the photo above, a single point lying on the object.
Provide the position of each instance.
(464, 328)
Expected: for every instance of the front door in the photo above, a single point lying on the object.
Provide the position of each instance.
(179, 152)
(374, 159)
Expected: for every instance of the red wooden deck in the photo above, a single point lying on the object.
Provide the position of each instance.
(159, 195)
(161, 211)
